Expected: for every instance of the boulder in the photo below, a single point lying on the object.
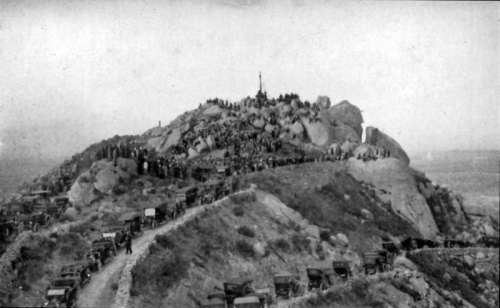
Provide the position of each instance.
(82, 193)
(318, 132)
(396, 178)
(364, 149)
(213, 110)
(377, 138)
(109, 178)
(323, 102)
(343, 238)
(348, 114)
(127, 165)
(259, 123)
(192, 153)
(367, 214)
(210, 142)
(259, 249)
(173, 138)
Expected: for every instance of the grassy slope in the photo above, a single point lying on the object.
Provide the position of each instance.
(329, 197)
(187, 264)
(39, 260)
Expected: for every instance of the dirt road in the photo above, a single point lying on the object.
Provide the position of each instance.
(110, 287)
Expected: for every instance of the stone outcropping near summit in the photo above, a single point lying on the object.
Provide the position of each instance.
(397, 186)
(348, 114)
(377, 138)
(336, 124)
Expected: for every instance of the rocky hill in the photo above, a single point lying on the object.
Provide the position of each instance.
(315, 192)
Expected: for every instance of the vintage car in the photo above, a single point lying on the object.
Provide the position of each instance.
(78, 271)
(133, 220)
(247, 302)
(342, 269)
(286, 285)
(61, 293)
(319, 278)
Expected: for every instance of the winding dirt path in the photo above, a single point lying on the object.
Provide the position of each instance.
(99, 292)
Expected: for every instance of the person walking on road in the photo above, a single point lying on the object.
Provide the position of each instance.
(128, 244)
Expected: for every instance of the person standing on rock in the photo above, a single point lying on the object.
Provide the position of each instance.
(128, 244)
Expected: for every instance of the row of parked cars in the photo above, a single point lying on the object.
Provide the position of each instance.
(32, 211)
(241, 294)
(62, 291)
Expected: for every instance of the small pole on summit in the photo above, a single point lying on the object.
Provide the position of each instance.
(260, 82)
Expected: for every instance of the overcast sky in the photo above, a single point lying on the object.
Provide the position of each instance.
(75, 72)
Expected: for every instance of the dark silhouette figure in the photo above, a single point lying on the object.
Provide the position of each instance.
(128, 244)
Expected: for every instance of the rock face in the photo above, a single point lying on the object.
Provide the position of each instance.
(323, 101)
(172, 139)
(447, 207)
(213, 111)
(377, 138)
(395, 177)
(82, 193)
(342, 132)
(103, 177)
(318, 132)
(109, 178)
(348, 114)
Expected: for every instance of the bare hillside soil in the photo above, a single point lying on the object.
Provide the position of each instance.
(252, 236)
(329, 197)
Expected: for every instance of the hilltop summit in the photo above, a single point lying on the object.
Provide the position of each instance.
(302, 159)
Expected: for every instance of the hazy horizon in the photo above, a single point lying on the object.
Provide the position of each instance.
(74, 73)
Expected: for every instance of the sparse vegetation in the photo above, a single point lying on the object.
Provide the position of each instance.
(431, 265)
(327, 207)
(244, 197)
(238, 211)
(324, 235)
(81, 228)
(281, 244)
(165, 241)
(163, 269)
(245, 249)
(301, 242)
(246, 231)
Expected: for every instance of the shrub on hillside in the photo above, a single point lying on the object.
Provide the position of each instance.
(238, 211)
(324, 235)
(431, 265)
(165, 241)
(246, 231)
(244, 197)
(161, 272)
(72, 244)
(281, 244)
(82, 228)
(301, 242)
(245, 249)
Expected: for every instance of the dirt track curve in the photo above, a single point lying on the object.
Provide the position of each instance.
(98, 293)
